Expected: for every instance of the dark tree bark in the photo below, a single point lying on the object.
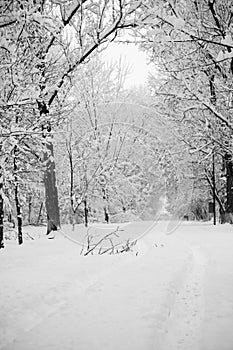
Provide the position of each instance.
(229, 187)
(1, 205)
(19, 215)
(85, 212)
(40, 213)
(73, 209)
(214, 187)
(220, 201)
(106, 215)
(213, 97)
(17, 201)
(29, 209)
(105, 198)
(222, 216)
(51, 193)
(1, 211)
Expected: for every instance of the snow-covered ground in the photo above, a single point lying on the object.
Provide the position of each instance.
(171, 292)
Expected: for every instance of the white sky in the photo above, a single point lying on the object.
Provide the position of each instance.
(133, 57)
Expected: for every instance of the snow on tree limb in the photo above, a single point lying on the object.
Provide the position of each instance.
(217, 113)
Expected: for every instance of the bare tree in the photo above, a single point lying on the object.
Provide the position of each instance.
(44, 44)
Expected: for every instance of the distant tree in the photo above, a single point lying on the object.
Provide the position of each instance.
(191, 46)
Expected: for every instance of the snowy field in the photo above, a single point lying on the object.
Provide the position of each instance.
(170, 292)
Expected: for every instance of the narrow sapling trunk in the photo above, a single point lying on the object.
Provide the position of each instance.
(17, 201)
(29, 209)
(72, 205)
(19, 215)
(106, 215)
(85, 212)
(229, 187)
(105, 199)
(214, 188)
(40, 213)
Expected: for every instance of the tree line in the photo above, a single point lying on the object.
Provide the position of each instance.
(49, 95)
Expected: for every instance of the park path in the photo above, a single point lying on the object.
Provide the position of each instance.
(174, 292)
(214, 245)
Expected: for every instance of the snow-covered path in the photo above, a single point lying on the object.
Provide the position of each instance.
(173, 292)
(215, 244)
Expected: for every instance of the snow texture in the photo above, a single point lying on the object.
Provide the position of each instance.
(172, 292)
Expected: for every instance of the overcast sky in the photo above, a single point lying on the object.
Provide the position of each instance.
(134, 58)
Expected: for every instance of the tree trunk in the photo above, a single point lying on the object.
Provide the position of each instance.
(72, 220)
(85, 212)
(105, 199)
(222, 211)
(222, 216)
(17, 202)
(1, 204)
(106, 215)
(51, 193)
(19, 214)
(214, 188)
(29, 209)
(229, 187)
(40, 213)
(1, 211)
